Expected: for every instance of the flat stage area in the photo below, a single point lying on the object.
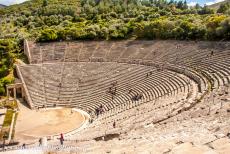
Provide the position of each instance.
(32, 124)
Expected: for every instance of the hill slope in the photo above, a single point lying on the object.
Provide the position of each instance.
(217, 5)
(2, 6)
(34, 5)
(54, 20)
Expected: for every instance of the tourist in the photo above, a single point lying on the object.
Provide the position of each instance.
(97, 111)
(61, 139)
(114, 124)
(23, 146)
(140, 96)
(40, 141)
(130, 91)
(101, 109)
(212, 53)
(3, 145)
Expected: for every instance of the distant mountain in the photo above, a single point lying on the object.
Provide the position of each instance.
(217, 5)
(2, 6)
(32, 5)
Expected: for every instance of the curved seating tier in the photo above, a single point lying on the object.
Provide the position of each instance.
(169, 75)
(211, 58)
(87, 85)
(173, 78)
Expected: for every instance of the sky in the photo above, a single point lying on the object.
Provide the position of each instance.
(10, 2)
(201, 2)
(190, 2)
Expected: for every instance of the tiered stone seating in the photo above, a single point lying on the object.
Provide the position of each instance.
(171, 76)
(102, 49)
(86, 85)
(87, 51)
(183, 53)
(72, 51)
(133, 117)
(192, 59)
(35, 53)
(47, 52)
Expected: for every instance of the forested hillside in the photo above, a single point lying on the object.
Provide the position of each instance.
(49, 20)
(53, 20)
(10, 49)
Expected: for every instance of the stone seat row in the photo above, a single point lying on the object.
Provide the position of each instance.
(45, 89)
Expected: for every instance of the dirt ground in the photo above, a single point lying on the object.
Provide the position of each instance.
(32, 124)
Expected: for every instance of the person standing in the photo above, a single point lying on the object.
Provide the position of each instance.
(40, 142)
(61, 139)
(23, 146)
(114, 124)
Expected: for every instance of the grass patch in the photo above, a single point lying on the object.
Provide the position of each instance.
(6, 124)
(9, 105)
(8, 118)
(15, 119)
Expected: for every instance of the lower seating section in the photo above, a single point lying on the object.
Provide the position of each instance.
(89, 85)
(127, 118)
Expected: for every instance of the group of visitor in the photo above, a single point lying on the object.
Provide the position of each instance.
(148, 74)
(137, 97)
(99, 110)
(61, 139)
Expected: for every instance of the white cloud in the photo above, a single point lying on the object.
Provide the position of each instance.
(215, 1)
(192, 3)
(210, 3)
(10, 2)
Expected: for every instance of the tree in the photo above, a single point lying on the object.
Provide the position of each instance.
(223, 8)
(212, 25)
(180, 5)
(198, 7)
(206, 10)
(224, 29)
(185, 6)
(48, 35)
(45, 3)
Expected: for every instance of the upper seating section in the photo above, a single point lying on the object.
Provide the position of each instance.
(210, 58)
(178, 52)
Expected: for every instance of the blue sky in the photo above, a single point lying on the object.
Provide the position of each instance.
(201, 2)
(190, 2)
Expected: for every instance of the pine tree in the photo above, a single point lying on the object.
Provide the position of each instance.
(45, 3)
